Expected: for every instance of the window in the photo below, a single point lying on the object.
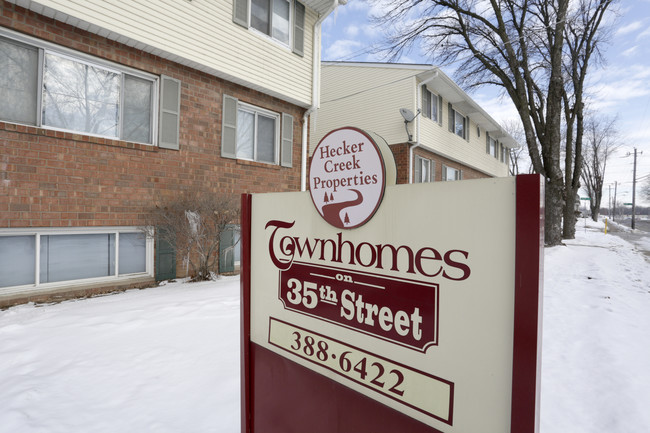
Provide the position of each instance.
(256, 134)
(71, 255)
(449, 173)
(282, 20)
(504, 154)
(492, 146)
(57, 88)
(424, 170)
(458, 124)
(431, 105)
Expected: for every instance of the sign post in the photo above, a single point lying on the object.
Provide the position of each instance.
(369, 308)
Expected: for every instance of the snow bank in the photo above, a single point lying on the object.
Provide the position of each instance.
(166, 359)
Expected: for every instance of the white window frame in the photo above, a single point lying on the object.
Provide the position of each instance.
(435, 102)
(463, 121)
(256, 111)
(45, 47)
(431, 171)
(458, 174)
(116, 278)
(494, 146)
(269, 35)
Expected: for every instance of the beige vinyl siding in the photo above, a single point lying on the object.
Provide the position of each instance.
(366, 98)
(199, 33)
(438, 139)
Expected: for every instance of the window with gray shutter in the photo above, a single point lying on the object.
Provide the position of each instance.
(240, 12)
(426, 102)
(286, 157)
(229, 127)
(299, 29)
(170, 107)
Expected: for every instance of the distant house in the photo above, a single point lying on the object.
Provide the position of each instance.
(435, 130)
(105, 105)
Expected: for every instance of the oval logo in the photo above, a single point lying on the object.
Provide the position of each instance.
(347, 178)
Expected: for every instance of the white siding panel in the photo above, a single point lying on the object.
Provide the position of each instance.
(369, 97)
(203, 33)
(366, 98)
(438, 139)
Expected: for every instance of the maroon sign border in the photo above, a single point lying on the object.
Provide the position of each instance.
(294, 389)
(383, 175)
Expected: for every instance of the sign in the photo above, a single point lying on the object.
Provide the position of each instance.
(424, 318)
(347, 178)
(585, 198)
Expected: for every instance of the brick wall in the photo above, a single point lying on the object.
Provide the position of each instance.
(55, 179)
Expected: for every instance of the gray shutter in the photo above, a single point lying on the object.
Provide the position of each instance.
(452, 120)
(286, 156)
(299, 29)
(459, 174)
(229, 127)
(170, 108)
(432, 171)
(487, 142)
(417, 176)
(426, 102)
(466, 127)
(240, 12)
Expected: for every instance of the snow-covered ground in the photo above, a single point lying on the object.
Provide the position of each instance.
(166, 359)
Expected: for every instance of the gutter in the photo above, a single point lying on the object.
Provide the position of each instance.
(417, 128)
(315, 95)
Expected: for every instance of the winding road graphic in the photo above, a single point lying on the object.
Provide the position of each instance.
(332, 212)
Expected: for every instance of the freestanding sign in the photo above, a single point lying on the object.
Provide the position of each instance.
(420, 313)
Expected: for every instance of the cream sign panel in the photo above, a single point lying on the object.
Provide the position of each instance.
(412, 308)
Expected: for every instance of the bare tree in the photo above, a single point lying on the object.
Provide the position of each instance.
(519, 161)
(584, 36)
(518, 45)
(193, 223)
(601, 140)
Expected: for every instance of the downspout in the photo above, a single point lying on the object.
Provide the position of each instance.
(315, 92)
(417, 127)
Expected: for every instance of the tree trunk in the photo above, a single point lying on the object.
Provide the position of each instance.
(553, 213)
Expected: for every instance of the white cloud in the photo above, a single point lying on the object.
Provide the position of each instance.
(344, 49)
(629, 28)
(351, 31)
(630, 51)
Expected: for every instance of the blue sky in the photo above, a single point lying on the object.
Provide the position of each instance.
(620, 87)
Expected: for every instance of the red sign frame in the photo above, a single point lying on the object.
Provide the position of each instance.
(280, 396)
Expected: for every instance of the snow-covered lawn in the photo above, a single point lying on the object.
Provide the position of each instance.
(166, 359)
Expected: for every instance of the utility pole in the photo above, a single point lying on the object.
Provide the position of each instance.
(634, 190)
(609, 197)
(614, 214)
